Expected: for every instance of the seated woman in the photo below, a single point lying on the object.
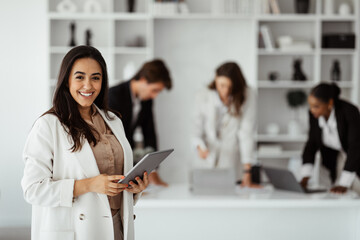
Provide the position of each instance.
(225, 120)
(335, 131)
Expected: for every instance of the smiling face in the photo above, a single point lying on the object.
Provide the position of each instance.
(85, 82)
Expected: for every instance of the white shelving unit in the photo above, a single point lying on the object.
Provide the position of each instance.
(115, 30)
(316, 64)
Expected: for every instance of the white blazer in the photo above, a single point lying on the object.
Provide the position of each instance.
(236, 140)
(48, 183)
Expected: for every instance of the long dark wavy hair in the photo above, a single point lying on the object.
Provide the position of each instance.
(232, 71)
(64, 105)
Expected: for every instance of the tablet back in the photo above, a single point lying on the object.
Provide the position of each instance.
(148, 163)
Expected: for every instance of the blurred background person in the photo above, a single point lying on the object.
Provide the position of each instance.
(225, 121)
(133, 99)
(335, 132)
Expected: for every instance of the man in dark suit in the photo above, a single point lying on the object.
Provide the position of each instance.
(134, 101)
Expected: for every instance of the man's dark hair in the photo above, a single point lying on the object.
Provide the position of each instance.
(155, 71)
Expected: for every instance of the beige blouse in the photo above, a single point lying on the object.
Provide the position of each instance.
(108, 153)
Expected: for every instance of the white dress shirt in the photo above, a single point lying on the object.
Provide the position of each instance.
(221, 110)
(136, 107)
(330, 138)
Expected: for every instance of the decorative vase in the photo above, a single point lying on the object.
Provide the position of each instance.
(302, 6)
(88, 36)
(131, 5)
(335, 71)
(344, 9)
(294, 128)
(72, 35)
(298, 74)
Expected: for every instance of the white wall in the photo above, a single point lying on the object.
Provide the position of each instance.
(24, 96)
(196, 49)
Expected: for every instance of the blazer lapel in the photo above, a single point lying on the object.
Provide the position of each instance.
(88, 163)
(87, 160)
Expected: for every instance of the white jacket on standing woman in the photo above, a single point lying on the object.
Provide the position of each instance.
(48, 183)
(235, 140)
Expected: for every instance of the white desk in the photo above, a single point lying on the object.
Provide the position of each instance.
(174, 213)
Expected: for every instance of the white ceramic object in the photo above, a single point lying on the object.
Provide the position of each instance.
(344, 9)
(294, 128)
(92, 6)
(272, 129)
(66, 6)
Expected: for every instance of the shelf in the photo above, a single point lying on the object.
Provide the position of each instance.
(287, 17)
(283, 154)
(202, 16)
(339, 51)
(285, 84)
(131, 50)
(338, 18)
(64, 50)
(265, 52)
(130, 16)
(79, 16)
(99, 16)
(280, 138)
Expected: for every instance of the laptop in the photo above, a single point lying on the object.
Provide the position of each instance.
(285, 180)
(213, 182)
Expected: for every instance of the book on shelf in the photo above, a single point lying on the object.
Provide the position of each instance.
(267, 37)
(274, 5)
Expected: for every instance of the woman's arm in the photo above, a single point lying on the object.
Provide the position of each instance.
(37, 183)
(198, 126)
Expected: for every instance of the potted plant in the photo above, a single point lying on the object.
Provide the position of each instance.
(295, 99)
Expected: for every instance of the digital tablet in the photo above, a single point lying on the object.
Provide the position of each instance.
(148, 163)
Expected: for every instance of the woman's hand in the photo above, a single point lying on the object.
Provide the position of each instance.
(202, 153)
(304, 182)
(107, 184)
(338, 190)
(140, 186)
(246, 181)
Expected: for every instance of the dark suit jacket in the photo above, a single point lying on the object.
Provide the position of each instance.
(120, 100)
(348, 124)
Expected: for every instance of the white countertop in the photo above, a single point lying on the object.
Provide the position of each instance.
(179, 196)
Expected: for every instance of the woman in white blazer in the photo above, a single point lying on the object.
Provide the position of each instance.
(70, 198)
(225, 120)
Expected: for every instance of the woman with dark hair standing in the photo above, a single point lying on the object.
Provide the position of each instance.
(225, 120)
(335, 131)
(74, 156)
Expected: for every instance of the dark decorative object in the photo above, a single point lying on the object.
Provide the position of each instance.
(338, 40)
(72, 35)
(131, 5)
(273, 76)
(335, 71)
(302, 6)
(88, 37)
(296, 98)
(298, 74)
